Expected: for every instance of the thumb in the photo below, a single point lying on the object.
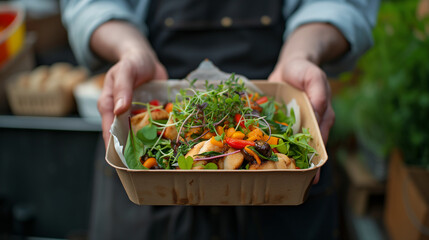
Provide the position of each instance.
(122, 90)
(317, 90)
(160, 72)
(275, 76)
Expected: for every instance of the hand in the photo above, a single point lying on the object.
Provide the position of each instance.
(133, 69)
(308, 77)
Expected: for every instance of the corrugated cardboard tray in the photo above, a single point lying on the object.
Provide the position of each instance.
(222, 187)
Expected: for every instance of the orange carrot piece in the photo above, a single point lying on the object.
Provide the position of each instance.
(149, 163)
(169, 107)
(216, 142)
(249, 151)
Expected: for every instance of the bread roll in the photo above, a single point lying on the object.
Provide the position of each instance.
(22, 80)
(57, 73)
(38, 78)
(73, 78)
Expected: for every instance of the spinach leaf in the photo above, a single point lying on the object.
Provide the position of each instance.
(147, 133)
(133, 151)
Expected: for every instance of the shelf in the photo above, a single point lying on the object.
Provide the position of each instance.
(74, 123)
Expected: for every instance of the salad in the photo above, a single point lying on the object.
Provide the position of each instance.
(220, 127)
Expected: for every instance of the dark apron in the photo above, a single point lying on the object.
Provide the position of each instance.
(229, 33)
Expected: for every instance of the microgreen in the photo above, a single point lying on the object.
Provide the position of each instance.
(213, 104)
(185, 163)
(210, 166)
(202, 111)
(220, 137)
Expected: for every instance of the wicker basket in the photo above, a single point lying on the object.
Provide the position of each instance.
(49, 101)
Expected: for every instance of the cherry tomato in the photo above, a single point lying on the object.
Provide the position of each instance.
(155, 103)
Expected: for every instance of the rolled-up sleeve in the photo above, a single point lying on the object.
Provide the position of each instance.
(82, 17)
(354, 19)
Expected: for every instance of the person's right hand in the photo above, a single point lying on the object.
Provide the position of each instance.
(133, 69)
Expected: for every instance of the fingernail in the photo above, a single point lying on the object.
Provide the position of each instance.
(119, 104)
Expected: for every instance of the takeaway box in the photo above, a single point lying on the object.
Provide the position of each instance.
(216, 187)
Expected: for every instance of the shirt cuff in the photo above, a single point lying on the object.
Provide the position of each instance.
(349, 21)
(83, 24)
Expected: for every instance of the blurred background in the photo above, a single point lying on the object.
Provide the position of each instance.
(51, 136)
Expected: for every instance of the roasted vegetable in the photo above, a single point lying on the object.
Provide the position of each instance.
(263, 148)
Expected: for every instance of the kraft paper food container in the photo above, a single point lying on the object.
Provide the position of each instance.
(219, 187)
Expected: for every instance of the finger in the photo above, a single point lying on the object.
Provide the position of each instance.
(123, 82)
(317, 177)
(275, 76)
(106, 124)
(160, 72)
(317, 90)
(105, 107)
(327, 122)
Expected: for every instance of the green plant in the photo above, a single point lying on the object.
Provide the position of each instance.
(391, 102)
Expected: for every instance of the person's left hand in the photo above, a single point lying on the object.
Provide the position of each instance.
(308, 77)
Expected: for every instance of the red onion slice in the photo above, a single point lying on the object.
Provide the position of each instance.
(202, 135)
(218, 156)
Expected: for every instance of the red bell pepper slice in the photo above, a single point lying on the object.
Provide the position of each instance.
(262, 100)
(237, 119)
(238, 143)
